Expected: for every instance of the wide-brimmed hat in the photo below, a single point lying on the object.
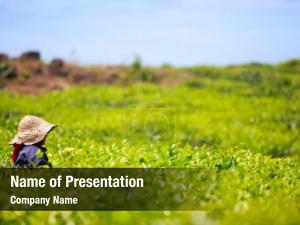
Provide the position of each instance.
(32, 130)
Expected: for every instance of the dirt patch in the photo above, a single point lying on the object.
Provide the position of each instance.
(37, 85)
(29, 74)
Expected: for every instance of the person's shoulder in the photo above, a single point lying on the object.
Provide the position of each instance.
(33, 148)
(30, 147)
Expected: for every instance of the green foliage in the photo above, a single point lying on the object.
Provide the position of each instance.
(264, 80)
(24, 74)
(243, 122)
(194, 84)
(140, 73)
(7, 71)
(136, 64)
(291, 66)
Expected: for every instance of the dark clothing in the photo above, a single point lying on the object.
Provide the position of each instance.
(32, 156)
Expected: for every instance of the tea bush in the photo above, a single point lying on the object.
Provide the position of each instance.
(245, 128)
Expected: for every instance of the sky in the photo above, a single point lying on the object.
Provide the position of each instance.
(177, 32)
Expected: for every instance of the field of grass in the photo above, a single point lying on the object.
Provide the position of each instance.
(243, 122)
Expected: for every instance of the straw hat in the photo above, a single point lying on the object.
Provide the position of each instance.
(32, 130)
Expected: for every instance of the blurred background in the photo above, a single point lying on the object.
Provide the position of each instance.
(178, 32)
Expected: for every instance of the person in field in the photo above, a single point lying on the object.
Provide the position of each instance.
(28, 144)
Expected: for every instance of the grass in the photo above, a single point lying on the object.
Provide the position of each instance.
(243, 122)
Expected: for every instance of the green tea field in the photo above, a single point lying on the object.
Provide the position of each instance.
(242, 121)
